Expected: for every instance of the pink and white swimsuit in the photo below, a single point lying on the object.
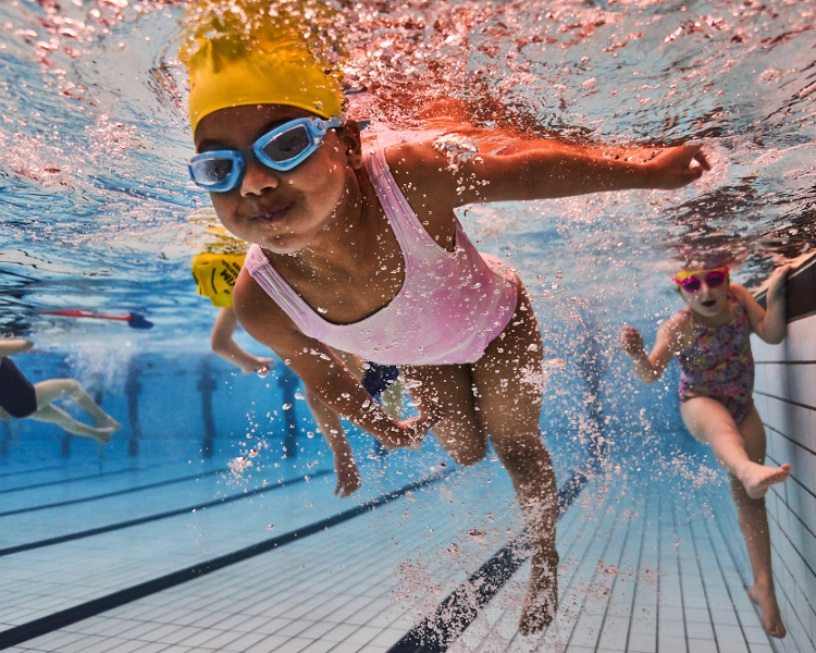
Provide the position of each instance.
(450, 307)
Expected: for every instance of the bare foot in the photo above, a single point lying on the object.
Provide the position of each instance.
(107, 422)
(103, 435)
(765, 599)
(541, 602)
(758, 478)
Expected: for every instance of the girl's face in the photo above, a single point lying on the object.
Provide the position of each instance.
(707, 301)
(281, 211)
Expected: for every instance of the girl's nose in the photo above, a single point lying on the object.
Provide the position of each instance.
(258, 178)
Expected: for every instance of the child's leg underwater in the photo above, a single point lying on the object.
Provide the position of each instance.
(709, 421)
(464, 437)
(510, 400)
(62, 419)
(52, 389)
(741, 449)
(753, 522)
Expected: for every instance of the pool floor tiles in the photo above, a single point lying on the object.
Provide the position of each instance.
(645, 567)
(647, 571)
(336, 586)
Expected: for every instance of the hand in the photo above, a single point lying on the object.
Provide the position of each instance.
(348, 476)
(259, 366)
(27, 344)
(677, 166)
(776, 285)
(409, 432)
(632, 341)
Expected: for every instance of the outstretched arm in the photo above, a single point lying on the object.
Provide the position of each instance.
(547, 170)
(345, 467)
(11, 346)
(767, 324)
(672, 337)
(224, 345)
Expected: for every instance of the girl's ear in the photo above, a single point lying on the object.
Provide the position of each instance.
(350, 135)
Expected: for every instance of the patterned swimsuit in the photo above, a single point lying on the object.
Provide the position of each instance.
(719, 364)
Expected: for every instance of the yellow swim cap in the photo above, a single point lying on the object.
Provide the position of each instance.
(223, 76)
(216, 275)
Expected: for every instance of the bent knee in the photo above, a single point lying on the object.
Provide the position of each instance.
(470, 455)
(70, 386)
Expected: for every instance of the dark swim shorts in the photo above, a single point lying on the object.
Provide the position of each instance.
(377, 378)
(17, 396)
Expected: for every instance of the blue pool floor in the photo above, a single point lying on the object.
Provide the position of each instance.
(647, 565)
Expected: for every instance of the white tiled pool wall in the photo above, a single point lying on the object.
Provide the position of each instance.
(785, 395)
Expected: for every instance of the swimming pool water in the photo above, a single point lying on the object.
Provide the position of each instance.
(105, 548)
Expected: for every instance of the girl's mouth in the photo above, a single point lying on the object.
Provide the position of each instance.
(709, 303)
(272, 216)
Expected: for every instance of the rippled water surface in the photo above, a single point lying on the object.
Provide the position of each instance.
(98, 214)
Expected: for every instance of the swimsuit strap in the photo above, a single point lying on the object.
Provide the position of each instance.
(412, 236)
(268, 278)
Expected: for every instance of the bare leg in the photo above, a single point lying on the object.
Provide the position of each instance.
(753, 522)
(753, 519)
(710, 422)
(510, 403)
(52, 389)
(508, 409)
(59, 417)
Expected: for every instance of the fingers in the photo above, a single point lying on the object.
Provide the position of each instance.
(700, 158)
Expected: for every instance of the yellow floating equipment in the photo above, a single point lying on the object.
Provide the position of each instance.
(216, 275)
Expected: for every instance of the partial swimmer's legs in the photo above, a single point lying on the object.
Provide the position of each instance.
(753, 521)
(460, 432)
(348, 476)
(52, 389)
(510, 399)
(59, 417)
(709, 422)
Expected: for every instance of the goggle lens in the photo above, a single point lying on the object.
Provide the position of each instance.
(209, 172)
(288, 145)
(715, 279)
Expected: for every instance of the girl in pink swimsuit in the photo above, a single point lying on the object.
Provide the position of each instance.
(710, 339)
(363, 253)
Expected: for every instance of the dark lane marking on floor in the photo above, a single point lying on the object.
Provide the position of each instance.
(162, 515)
(45, 625)
(437, 632)
(127, 470)
(116, 493)
(33, 471)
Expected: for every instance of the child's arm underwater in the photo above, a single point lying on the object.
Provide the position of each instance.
(768, 324)
(322, 371)
(531, 171)
(11, 346)
(673, 336)
(223, 345)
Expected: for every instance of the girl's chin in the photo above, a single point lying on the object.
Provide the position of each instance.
(708, 311)
(283, 245)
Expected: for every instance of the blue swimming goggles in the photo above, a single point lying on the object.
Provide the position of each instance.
(285, 147)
